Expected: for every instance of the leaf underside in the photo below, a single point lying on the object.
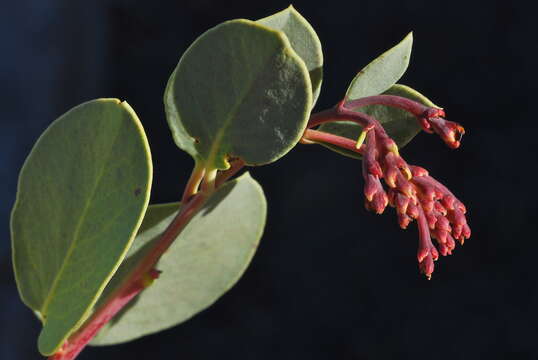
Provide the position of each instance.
(82, 193)
(204, 262)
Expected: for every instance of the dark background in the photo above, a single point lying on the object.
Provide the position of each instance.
(330, 280)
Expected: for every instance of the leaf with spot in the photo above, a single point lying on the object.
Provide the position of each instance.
(303, 39)
(399, 124)
(239, 91)
(82, 194)
(205, 261)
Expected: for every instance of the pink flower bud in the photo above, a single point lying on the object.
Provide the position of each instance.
(412, 210)
(418, 171)
(449, 131)
(440, 235)
(413, 192)
(443, 223)
(404, 220)
(372, 185)
(402, 202)
(379, 202)
(439, 208)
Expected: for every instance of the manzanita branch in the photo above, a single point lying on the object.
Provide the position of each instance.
(145, 272)
(139, 278)
(76, 342)
(388, 179)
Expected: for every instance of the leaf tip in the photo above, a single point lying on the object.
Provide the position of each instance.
(409, 38)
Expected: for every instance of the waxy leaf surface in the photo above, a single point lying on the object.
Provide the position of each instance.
(204, 262)
(401, 125)
(383, 72)
(304, 41)
(240, 90)
(82, 194)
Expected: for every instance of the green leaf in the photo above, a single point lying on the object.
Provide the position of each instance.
(82, 194)
(379, 75)
(205, 261)
(240, 90)
(304, 41)
(399, 124)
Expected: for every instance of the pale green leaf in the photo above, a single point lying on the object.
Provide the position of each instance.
(82, 194)
(383, 72)
(204, 262)
(304, 41)
(240, 90)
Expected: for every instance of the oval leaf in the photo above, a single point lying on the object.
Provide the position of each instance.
(304, 41)
(379, 75)
(82, 194)
(205, 261)
(399, 124)
(240, 90)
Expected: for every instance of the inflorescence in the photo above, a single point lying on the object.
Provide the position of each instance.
(409, 189)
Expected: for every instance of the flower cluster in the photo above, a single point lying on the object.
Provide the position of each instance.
(415, 194)
(411, 190)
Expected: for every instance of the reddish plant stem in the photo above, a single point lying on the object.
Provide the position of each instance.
(403, 103)
(340, 141)
(171, 233)
(340, 113)
(346, 111)
(134, 283)
(235, 166)
(82, 337)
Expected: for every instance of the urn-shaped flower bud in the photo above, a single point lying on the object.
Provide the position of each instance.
(409, 189)
(413, 192)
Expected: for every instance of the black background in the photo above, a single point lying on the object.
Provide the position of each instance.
(330, 280)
